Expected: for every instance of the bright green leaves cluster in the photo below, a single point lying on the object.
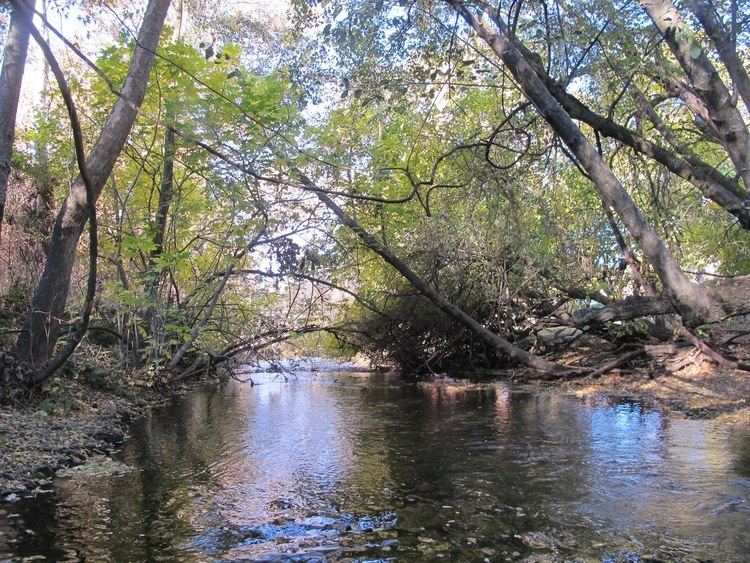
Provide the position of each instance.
(212, 208)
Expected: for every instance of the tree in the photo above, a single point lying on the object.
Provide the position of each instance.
(512, 162)
(692, 301)
(11, 77)
(371, 68)
(514, 353)
(41, 327)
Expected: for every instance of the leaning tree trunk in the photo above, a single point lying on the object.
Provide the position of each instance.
(688, 298)
(80, 326)
(40, 330)
(712, 183)
(724, 43)
(492, 340)
(11, 76)
(715, 104)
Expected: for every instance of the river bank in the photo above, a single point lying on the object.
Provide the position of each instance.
(708, 392)
(62, 425)
(74, 418)
(684, 381)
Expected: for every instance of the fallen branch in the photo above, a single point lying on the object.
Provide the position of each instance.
(495, 341)
(712, 354)
(630, 308)
(625, 358)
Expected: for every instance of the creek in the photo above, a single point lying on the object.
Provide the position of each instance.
(352, 466)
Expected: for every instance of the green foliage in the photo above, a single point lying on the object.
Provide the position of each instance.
(398, 107)
(628, 332)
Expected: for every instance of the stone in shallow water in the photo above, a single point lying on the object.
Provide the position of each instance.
(96, 466)
(318, 522)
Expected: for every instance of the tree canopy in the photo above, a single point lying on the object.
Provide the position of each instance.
(432, 183)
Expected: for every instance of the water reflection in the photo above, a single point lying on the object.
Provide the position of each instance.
(336, 466)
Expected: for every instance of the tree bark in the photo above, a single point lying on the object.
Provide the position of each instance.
(703, 10)
(82, 324)
(722, 115)
(688, 298)
(40, 330)
(711, 183)
(11, 77)
(719, 36)
(733, 200)
(150, 318)
(492, 340)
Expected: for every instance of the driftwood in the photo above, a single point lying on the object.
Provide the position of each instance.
(609, 366)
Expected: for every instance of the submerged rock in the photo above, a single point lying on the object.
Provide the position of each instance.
(96, 466)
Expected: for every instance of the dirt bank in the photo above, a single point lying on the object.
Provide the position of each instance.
(68, 420)
(709, 392)
(685, 381)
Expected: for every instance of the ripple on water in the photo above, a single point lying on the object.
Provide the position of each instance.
(339, 466)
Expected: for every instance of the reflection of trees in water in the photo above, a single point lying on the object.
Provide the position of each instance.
(540, 459)
(442, 449)
(457, 461)
(149, 511)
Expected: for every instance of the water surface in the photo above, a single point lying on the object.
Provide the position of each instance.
(343, 466)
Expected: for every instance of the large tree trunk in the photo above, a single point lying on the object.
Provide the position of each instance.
(712, 183)
(688, 298)
(720, 112)
(40, 329)
(492, 340)
(11, 77)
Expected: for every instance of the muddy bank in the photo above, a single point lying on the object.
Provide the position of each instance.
(62, 425)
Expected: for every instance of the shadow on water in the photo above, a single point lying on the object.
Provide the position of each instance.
(338, 466)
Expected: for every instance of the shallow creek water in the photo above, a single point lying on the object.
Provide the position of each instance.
(347, 466)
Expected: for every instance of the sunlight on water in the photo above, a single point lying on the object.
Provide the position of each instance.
(334, 466)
